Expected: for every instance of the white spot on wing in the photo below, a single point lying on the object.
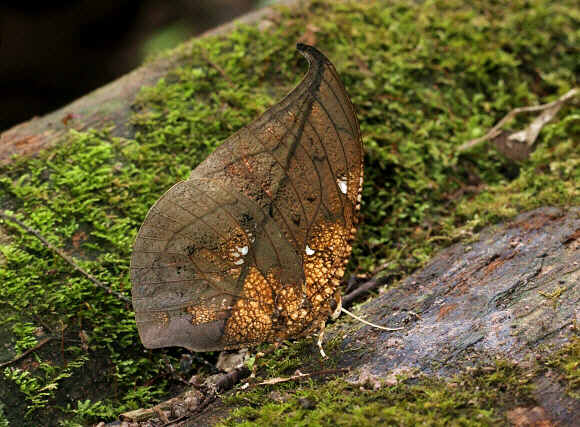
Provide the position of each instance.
(239, 262)
(342, 185)
(243, 250)
(309, 251)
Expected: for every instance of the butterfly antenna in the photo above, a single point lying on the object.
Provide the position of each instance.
(344, 310)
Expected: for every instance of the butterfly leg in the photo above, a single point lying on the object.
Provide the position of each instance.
(336, 307)
(319, 342)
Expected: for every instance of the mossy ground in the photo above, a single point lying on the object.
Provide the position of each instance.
(477, 398)
(423, 79)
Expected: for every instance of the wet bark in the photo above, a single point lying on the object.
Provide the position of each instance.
(510, 294)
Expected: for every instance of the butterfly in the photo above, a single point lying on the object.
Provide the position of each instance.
(251, 248)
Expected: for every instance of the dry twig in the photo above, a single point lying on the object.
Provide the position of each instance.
(299, 375)
(27, 352)
(363, 289)
(551, 107)
(219, 69)
(68, 259)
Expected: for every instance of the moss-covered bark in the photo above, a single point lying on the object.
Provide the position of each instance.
(423, 78)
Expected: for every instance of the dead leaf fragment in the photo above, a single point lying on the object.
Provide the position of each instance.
(531, 132)
(529, 417)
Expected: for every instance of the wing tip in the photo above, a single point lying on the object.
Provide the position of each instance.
(311, 53)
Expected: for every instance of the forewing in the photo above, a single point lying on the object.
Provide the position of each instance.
(301, 160)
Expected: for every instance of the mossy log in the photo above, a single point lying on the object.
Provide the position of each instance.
(491, 323)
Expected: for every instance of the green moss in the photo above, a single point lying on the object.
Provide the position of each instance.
(566, 366)
(549, 178)
(84, 197)
(474, 399)
(423, 78)
(554, 295)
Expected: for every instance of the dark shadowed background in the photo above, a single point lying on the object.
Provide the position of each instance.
(53, 52)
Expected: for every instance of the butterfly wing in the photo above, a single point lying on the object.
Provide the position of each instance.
(202, 246)
(251, 247)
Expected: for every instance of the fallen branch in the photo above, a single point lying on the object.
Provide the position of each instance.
(532, 131)
(363, 289)
(68, 259)
(228, 380)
